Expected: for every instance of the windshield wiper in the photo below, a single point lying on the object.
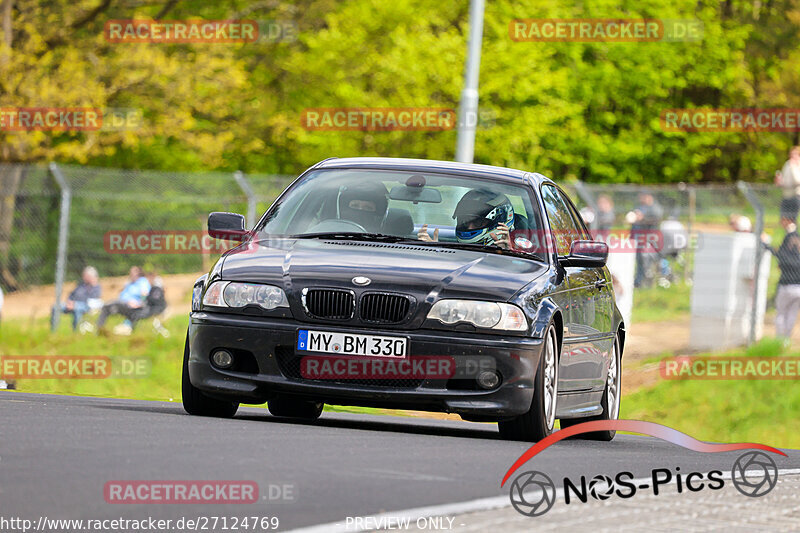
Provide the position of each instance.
(351, 236)
(380, 237)
(475, 247)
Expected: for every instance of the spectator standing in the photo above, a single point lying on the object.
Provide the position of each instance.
(787, 299)
(130, 299)
(82, 298)
(605, 213)
(645, 221)
(788, 179)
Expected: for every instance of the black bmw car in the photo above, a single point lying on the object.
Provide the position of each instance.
(410, 284)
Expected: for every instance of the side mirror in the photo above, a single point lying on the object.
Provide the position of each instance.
(590, 254)
(227, 226)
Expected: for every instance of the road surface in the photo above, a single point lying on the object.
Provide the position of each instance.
(57, 453)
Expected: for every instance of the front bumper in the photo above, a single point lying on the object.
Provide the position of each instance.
(268, 347)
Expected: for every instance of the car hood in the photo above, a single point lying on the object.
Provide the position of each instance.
(426, 272)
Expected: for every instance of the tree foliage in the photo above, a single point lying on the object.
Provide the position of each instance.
(569, 110)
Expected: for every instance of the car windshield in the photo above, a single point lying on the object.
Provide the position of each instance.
(380, 203)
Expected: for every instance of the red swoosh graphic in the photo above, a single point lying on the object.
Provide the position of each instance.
(634, 426)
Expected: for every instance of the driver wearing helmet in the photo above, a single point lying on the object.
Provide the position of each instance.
(482, 216)
(365, 204)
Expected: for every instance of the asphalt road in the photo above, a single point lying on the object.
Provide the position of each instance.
(57, 453)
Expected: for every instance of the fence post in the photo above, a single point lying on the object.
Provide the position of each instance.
(251, 197)
(692, 213)
(63, 236)
(759, 229)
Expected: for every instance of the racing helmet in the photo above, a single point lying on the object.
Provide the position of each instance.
(479, 212)
(364, 203)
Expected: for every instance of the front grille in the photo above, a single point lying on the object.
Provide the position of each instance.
(333, 304)
(384, 308)
(290, 363)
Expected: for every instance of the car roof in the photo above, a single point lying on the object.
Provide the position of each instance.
(431, 165)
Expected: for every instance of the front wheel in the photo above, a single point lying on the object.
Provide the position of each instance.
(612, 398)
(197, 403)
(540, 419)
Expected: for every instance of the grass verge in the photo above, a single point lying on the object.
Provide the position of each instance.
(723, 411)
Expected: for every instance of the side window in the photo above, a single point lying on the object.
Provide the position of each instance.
(576, 216)
(561, 223)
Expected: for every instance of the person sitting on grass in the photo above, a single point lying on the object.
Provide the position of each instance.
(130, 299)
(83, 298)
(154, 305)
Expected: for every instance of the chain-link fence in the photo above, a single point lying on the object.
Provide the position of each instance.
(707, 235)
(107, 204)
(701, 276)
(29, 211)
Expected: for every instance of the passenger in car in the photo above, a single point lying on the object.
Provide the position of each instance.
(482, 216)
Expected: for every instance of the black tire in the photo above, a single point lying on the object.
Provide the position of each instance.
(609, 412)
(539, 421)
(197, 403)
(290, 408)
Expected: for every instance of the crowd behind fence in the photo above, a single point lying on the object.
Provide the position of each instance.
(70, 210)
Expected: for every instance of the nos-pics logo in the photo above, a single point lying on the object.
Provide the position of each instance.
(533, 493)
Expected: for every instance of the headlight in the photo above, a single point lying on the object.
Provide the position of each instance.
(234, 294)
(481, 314)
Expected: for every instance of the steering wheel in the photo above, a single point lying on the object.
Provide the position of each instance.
(332, 225)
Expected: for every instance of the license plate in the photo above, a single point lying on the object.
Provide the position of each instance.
(349, 344)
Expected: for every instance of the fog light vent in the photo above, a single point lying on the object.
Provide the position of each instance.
(222, 359)
(488, 380)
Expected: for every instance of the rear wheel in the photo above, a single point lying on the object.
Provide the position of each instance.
(197, 403)
(611, 399)
(540, 419)
(287, 407)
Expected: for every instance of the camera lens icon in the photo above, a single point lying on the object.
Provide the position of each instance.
(532, 493)
(754, 474)
(601, 487)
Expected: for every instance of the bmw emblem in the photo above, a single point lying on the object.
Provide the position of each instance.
(361, 280)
